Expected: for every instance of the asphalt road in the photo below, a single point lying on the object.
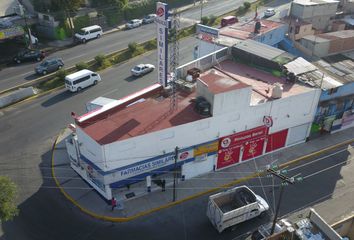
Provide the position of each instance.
(17, 74)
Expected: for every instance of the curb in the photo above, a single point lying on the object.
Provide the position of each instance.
(127, 219)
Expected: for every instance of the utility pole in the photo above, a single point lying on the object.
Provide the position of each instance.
(285, 181)
(175, 174)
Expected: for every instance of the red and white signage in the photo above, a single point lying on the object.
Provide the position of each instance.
(253, 148)
(227, 157)
(238, 138)
(268, 121)
(276, 140)
(251, 141)
(162, 48)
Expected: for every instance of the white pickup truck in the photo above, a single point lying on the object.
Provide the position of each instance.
(234, 206)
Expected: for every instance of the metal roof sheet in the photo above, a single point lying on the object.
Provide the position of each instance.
(259, 49)
(300, 66)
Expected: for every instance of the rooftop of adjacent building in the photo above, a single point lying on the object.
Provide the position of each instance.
(340, 67)
(327, 37)
(245, 30)
(314, 2)
(153, 113)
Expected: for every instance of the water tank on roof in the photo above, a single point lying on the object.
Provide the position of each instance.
(277, 91)
(189, 78)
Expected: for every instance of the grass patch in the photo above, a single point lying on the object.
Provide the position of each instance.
(51, 84)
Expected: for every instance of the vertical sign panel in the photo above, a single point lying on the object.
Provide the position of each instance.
(227, 157)
(162, 32)
(253, 148)
(276, 140)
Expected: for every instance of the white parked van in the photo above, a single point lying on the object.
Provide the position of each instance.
(75, 82)
(88, 33)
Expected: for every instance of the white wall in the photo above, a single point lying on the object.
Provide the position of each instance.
(192, 169)
(205, 48)
(286, 113)
(231, 101)
(90, 149)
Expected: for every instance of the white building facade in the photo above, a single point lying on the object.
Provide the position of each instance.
(239, 129)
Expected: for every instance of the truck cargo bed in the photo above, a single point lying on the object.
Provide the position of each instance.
(241, 197)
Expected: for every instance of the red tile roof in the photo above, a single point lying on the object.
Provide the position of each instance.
(242, 30)
(141, 118)
(218, 82)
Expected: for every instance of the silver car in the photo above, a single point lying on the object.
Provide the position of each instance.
(134, 23)
(142, 69)
(49, 65)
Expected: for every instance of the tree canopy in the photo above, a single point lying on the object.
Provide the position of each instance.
(8, 194)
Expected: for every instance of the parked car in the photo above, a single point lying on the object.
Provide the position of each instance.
(29, 55)
(134, 23)
(149, 18)
(49, 65)
(269, 12)
(229, 20)
(142, 69)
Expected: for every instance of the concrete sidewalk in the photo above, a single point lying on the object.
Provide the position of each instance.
(89, 201)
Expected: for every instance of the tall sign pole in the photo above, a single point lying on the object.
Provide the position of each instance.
(162, 42)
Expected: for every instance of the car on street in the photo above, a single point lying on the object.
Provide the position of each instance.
(134, 23)
(142, 69)
(49, 65)
(269, 12)
(29, 55)
(149, 18)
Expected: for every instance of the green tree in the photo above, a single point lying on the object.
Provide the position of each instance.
(247, 5)
(8, 194)
(124, 6)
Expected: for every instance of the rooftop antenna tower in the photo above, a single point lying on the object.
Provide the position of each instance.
(174, 57)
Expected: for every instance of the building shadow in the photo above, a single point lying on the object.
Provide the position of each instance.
(59, 97)
(47, 214)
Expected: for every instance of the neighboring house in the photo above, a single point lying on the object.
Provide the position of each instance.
(317, 12)
(8, 7)
(299, 28)
(326, 44)
(268, 32)
(335, 107)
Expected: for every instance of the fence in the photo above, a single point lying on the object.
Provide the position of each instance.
(204, 63)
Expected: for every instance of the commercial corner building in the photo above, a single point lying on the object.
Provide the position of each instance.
(133, 140)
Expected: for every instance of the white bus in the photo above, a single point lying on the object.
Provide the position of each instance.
(88, 33)
(75, 82)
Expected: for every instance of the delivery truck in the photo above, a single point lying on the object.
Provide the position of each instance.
(234, 206)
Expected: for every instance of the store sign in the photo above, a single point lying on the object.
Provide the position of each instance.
(94, 176)
(206, 148)
(253, 148)
(242, 137)
(206, 33)
(250, 141)
(11, 32)
(152, 165)
(227, 157)
(162, 43)
(268, 121)
(202, 29)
